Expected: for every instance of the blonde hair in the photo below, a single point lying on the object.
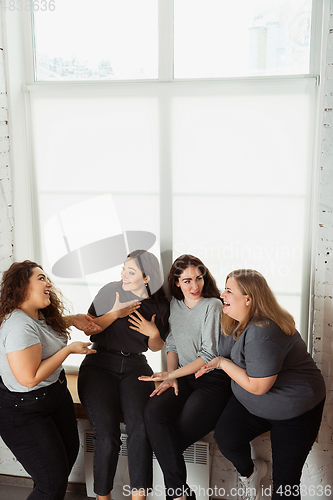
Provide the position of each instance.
(263, 305)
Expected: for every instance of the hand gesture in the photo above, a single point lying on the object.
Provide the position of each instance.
(80, 348)
(86, 323)
(123, 309)
(214, 363)
(163, 386)
(155, 377)
(140, 324)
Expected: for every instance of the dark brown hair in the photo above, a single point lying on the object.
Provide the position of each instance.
(150, 266)
(178, 267)
(263, 305)
(14, 289)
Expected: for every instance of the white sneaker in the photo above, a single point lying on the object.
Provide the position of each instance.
(251, 485)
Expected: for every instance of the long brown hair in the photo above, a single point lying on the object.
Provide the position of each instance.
(178, 267)
(263, 305)
(14, 289)
(149, 266)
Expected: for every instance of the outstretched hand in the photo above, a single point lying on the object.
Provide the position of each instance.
(86, 323)
(156, 377)
(81, 348)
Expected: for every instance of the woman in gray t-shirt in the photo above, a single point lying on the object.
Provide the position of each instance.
(276, 386)
(37, 418)
(183, 409)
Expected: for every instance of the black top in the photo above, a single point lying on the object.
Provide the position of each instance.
(118, 335)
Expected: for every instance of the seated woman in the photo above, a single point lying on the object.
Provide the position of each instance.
(276, 387)
(108, 381)
(183, 409)
(37, 418)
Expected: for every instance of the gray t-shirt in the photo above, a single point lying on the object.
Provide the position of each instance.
(19, 331)
(194, 332)
(264, 350)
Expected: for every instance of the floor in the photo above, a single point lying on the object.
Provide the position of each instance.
(18, 492)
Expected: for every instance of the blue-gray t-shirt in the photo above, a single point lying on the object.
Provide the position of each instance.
(264, 350)
(19, 331)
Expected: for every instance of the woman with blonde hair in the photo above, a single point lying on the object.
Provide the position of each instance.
(276, 387)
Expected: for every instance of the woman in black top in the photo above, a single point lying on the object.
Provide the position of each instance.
(109, 385)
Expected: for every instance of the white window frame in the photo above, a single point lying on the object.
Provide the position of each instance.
(17, 33)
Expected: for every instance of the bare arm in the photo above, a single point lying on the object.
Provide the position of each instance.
(29, 369)
(256, 386)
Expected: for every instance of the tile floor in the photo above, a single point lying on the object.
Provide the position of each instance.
(17, 492)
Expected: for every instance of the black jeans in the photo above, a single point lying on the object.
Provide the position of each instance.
(108, 384)
(39, 427)
(175, 422)
(291, 442)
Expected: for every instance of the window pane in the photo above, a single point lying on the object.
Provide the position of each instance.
(223, 38)
(241, 172)
(99, 40)
(96, 165)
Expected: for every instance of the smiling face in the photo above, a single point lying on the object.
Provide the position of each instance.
(38, 293)
(236, 305)
(132, 278)
(191, 283)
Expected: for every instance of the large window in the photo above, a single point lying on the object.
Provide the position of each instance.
(196, 124)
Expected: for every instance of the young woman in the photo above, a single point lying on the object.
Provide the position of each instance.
(183, 409)
(37, 418)
(276, 386)
(108, 384)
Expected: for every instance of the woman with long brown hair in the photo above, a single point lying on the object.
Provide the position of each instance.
(37, 418)
(276, 386)
(133, 314)
(183, 409)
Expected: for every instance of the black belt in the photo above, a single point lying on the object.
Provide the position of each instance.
(99, 347)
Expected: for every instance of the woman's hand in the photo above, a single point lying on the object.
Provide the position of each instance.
(123, 309)
(80, 348)
(140, 324)
(156, 377)
(214, 363)
(163, 386)
(86, 323)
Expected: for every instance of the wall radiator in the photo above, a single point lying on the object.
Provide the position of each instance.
(196, 459)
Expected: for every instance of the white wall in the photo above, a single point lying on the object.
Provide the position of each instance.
(6, 211)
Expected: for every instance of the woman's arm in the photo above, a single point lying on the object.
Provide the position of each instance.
(256, 386)
(119, 310)
(29, 369)
(192, 367)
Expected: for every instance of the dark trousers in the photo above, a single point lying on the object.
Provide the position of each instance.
(175, 422)
(291, 442)
(39, 427)
(108, 384)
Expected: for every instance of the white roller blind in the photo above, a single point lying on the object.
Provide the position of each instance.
(238, 183)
